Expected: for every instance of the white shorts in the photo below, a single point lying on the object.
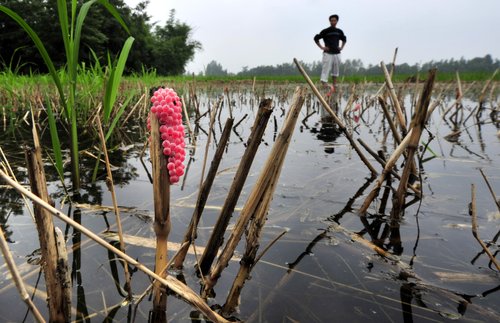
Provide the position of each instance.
(331, 63)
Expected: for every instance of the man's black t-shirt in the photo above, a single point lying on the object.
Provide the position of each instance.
(331, 36)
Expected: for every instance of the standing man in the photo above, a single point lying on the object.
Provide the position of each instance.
(334, 41)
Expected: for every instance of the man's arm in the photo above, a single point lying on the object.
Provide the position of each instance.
(342, 46)
(316, 40)
(343, 40)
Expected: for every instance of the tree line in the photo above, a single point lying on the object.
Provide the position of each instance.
(164, 48)
(352, 67)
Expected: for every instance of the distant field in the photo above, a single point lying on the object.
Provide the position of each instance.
(441, 77)
(22, 91)
(8, 80)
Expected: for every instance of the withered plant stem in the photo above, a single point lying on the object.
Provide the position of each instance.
(492, 192)
(191, 234)
(350, 101)
(186, 293)
(11, 173)
(483, 91)
(133, 109)
(474, 227)
(58, 309)
(111, 188)
(161, 196)
(186, 116)
(394, 99)
(417, 126)
(395, 133)
(274, 165)
(387, 169)
(258, 201)
(217, 237)
(209, 139)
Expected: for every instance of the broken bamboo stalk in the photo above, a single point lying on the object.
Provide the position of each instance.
(391, 72)
(111, 188)
(474, 227)
(217, 237)
(14, 272)
(186, 293)
(417, 127)
(260, 216)
(45, 228)
(186, 116)
(341, 126)
(143, 96)
(62, 265)
(382, 162)
(492, 192)
(395, 133)
(387, 169)
(483, 91)
(350, 101)
(161, 196)
(394, 99)
(191, 234)
(258, 197)
(458, 100)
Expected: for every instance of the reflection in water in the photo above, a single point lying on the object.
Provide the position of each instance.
(328, 132)
(76, 275)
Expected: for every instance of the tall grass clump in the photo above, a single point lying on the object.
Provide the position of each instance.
(71, 31)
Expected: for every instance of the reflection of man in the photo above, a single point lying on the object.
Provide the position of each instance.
(334, 41)
(328, 132)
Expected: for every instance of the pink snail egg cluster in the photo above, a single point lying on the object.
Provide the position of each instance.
(168, 108)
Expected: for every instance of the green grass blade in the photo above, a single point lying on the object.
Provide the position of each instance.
(426, 145)
(118, 115)
(41, 49)
(62, 11)
(56, 144)
(115, 79)
(115, 14)
(82, 14)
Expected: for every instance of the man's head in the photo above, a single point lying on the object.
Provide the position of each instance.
(333, 20)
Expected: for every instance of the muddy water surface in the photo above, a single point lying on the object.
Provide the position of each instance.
(317, 272)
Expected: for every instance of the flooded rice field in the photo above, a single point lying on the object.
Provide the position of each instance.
(332, 264)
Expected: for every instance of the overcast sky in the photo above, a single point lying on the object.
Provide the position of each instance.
(238, 33)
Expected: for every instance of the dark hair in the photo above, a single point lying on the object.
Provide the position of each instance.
(334, 16)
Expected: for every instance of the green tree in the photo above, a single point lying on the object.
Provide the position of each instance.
(165, 48)
(173, 46)
(15, 46)
(215, 69)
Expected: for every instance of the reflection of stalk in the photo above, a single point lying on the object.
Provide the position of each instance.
(217, 237)
(111, 188)
(17, 277)
(76, 266)
(161, 193)
(348, 207)
(406, 293)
